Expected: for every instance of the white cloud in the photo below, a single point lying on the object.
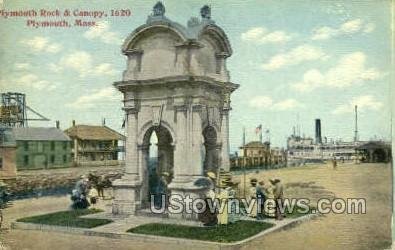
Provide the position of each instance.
(32, 80)
(261, 102)
(365, 102)
(295, 56)
(351, 69)
(82, 62)
(347, 28)
(262, 35)
(104, 69)
(102, 31)
(22, 66)
(55, 68)
(286, 104)
(266, 102)
(42, 44)
(91, 100)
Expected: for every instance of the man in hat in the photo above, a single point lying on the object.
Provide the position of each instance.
(261, 198)
(162, 188)
(278, 193)
(234, 205)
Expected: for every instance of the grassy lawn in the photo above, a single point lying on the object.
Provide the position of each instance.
(296, 212)
(68, 219)
(221, 233)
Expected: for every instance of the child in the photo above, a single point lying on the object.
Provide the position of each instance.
(93, 196)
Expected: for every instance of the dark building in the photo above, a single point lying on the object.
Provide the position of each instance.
(40, 148)
(374, 151)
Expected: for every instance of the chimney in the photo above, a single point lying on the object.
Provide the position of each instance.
(57, 125)
(318, 139)
(73, 123)
(103, 122)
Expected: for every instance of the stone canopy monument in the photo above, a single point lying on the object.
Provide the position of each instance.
(176, 83)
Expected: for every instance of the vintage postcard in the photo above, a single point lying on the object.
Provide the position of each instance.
(202, 124)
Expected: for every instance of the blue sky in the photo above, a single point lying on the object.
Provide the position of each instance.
(306, 59)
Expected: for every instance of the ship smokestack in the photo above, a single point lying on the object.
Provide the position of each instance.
(318, 138)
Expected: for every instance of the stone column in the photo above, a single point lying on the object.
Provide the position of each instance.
(132, 152)
(127, 189)
(196, 158)
(187, 160)
(180, 158)
(225, 163)
(144, 175)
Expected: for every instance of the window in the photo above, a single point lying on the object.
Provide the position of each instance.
(1, 162)
(52, 159)
(64, 158)
(64, 145)
(26, 145)
(26, 160)
(52, 145)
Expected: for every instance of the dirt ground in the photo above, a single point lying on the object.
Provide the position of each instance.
(332, 231)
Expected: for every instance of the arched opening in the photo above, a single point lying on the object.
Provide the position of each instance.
(211, 159)
(159, 164)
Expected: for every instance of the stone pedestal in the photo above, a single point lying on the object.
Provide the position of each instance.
(127, 196)
(184, 190)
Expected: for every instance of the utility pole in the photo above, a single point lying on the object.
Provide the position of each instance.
(244, 136)
(356, 124)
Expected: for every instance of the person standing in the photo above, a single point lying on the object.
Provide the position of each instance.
(261, 198)
(223, 196)
(278, 193)
(334, 163)
(233, 215)
(162, 189)
(93, 196)
(252, 198)
(208, 217)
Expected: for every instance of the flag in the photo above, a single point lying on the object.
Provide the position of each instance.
(123, 123)
(258, 129)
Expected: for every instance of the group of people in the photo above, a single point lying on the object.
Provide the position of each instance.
(224, 190)
(260, 192)
(88, 190)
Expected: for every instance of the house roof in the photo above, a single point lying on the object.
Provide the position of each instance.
(39, 134)
(88, 132)
(255, 144)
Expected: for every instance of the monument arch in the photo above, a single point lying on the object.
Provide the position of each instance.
(175, 83)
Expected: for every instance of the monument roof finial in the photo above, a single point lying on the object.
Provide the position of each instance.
(159, 9)
(205, 12)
